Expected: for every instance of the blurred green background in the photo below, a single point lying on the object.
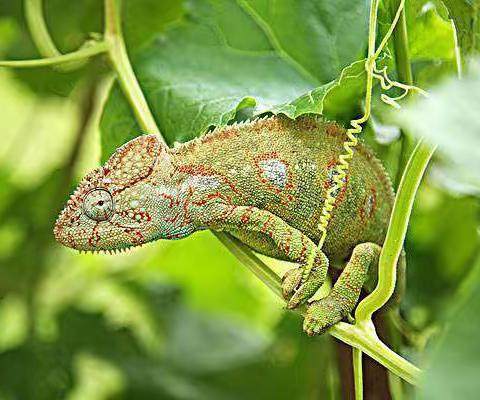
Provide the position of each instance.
(183, 319)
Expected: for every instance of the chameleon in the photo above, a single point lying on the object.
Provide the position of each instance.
(262, 181)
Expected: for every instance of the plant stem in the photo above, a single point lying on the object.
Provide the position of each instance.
(121, 63)
(396, 232)
(363, 337)
(79, 55)
(38, 29)
(400, 42)
(370, 64)
(367, 341)
(404, 73)
(261, 270)
(357, 373)
(458, 53)
(37, 26)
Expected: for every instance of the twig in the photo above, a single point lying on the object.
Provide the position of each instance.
(79, 55)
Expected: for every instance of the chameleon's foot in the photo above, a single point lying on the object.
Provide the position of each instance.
(297, 292)
(324, 313)
(321, 315)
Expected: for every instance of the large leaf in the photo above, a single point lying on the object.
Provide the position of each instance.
(430, 37)
(465, 14)
(227, 56)
(431, 44)
(143, 19)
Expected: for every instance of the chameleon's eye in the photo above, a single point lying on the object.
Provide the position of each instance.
(98, 205)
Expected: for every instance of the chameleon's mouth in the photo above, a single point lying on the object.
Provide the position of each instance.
(81, 240)
(104, 251)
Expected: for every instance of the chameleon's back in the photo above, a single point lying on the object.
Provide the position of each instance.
(286, 167)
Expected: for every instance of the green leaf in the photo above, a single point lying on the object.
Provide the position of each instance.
(335, 100)
(143, 19)
(465, 14)
(431, 43)
(225, 57)
(430, 37)
(318, 38)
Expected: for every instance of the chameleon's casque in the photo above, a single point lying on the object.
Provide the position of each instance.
(263, 181)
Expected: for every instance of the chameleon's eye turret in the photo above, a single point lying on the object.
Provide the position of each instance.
(98, 205)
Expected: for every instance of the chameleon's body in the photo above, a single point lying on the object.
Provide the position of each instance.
(264, 182)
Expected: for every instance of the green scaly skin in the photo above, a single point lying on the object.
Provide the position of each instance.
(263, 182)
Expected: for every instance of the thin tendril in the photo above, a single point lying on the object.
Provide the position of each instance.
(343, 165)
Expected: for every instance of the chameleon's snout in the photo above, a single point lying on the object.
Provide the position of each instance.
(62, 224)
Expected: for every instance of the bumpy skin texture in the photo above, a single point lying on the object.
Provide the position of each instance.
(264, 182)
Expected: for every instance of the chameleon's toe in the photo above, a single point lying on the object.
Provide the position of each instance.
(320, 316)
(307, 289)
(290, 283)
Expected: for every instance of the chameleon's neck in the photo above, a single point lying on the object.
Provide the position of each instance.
(168, 177)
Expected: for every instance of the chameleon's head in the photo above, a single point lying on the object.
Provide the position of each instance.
(113, 206)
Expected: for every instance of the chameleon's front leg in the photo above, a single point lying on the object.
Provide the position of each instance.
(324, 313)
(299, 284)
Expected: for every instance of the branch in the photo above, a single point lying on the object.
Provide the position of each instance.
(79, 55)
(360, 337)
(121, 63)
(38, 29)
(397, 230)
(41, 37)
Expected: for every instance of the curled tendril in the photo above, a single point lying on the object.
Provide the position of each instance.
(386, 84)
(343, 164)
(339, 178)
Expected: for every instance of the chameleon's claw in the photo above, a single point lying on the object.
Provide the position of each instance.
(301, 293)
(290, 283)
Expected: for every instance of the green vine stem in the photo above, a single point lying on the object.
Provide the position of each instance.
(41, 37)
(363, 338)
(404, 73)
(121, 63)
(79, 55)
(45, 46)
(396, 232)
(357, 373)
(261, 270)
(38, 29)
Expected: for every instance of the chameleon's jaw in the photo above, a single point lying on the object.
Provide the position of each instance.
(76, 231)
(104, 251)
(66, 238)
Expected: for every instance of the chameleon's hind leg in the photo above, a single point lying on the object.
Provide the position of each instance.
(324, 313)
